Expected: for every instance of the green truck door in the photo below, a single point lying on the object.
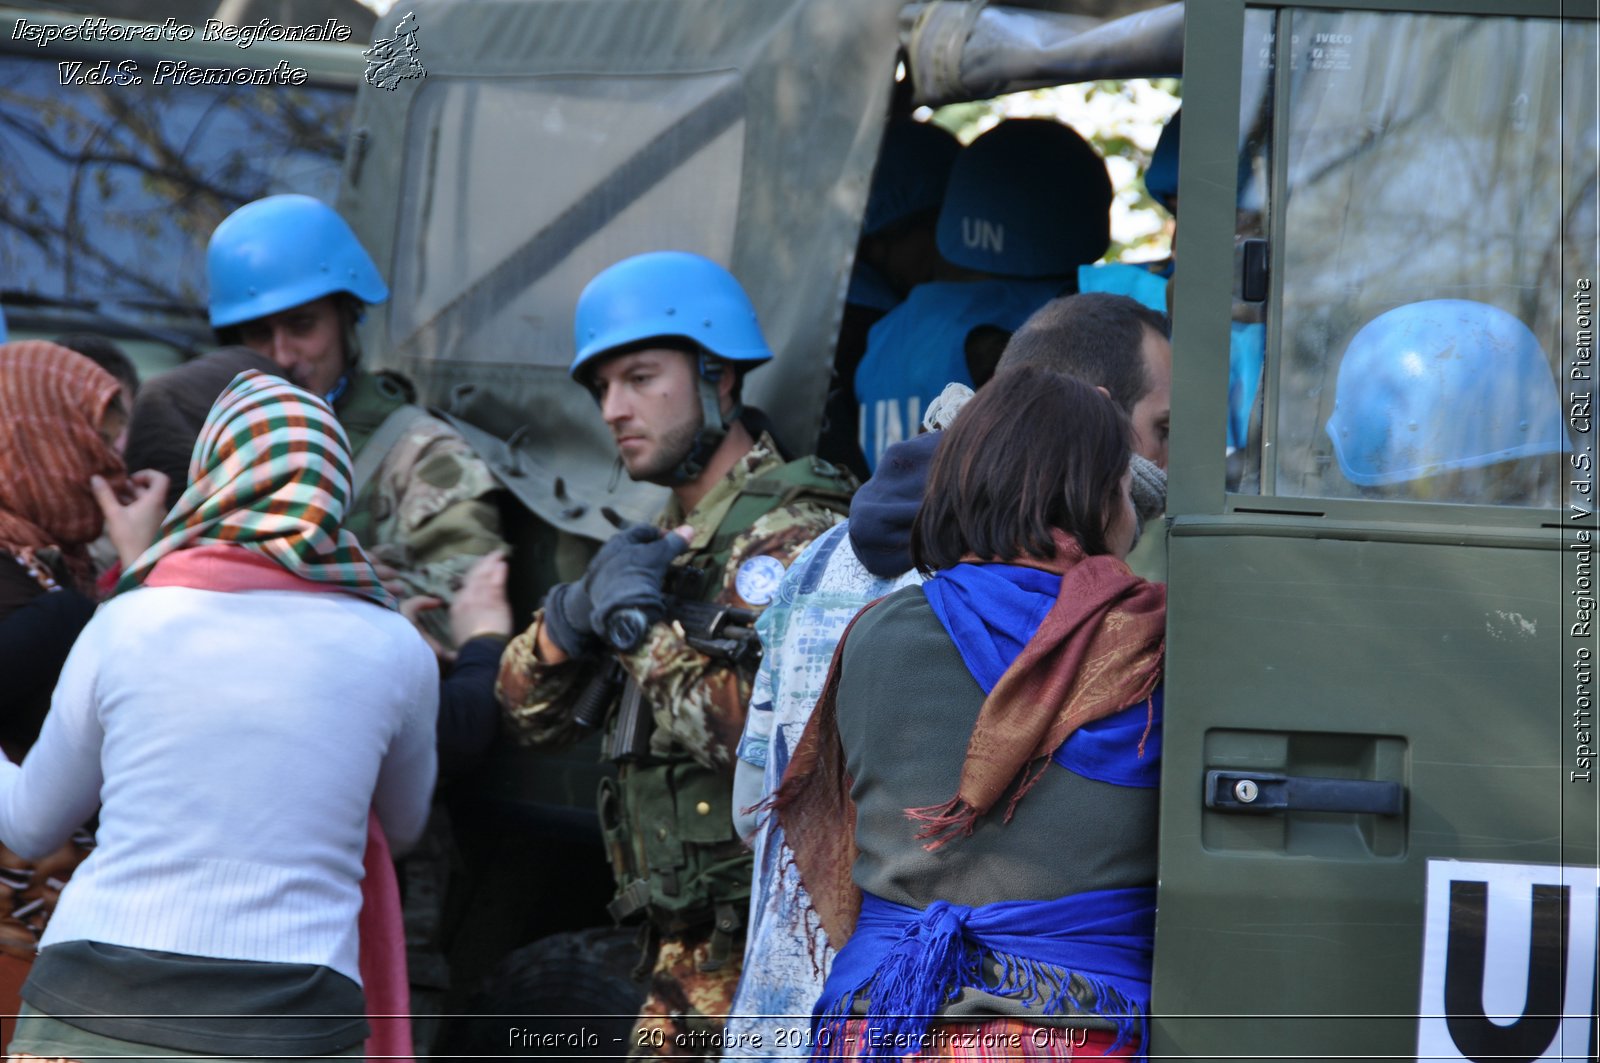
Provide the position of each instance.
(1378, 806)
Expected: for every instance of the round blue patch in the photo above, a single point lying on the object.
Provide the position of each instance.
(758, 578)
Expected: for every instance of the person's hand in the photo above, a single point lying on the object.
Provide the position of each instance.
(134, 517)
(627, 574)
(412, 609)
(566, 619)
(480, 606)
(389, 576)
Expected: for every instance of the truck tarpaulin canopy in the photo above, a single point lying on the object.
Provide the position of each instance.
(546, 141)
(964, 51)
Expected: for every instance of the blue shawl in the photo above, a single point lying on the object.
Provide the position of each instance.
(911, 963)
(990, 611)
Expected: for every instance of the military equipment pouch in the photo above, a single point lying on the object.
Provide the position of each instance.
(669, 830)
(619, 844)
(724, 937)
(629, 901)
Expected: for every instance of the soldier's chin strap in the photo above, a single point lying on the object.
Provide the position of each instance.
(350, 310)
(340, 387)
(713, 425)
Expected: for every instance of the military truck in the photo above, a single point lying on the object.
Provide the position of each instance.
(1379, 813)
(1378, 807)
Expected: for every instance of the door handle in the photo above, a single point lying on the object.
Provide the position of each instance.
(1254, 791)
(1254, 272)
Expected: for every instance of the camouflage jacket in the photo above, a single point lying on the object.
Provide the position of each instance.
(698, 701)
(429, 509)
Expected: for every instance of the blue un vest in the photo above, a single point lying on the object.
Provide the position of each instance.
(920, 346)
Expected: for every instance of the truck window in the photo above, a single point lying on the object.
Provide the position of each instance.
(1424, 185)
(498, 264)
(114, 187)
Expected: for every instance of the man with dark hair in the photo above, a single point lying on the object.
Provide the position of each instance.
(1123, 346)
(1113, 342)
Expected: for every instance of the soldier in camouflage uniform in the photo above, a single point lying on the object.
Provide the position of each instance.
(662, 340)
(289, 279)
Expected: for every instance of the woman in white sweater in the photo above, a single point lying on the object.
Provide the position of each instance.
(234, 712)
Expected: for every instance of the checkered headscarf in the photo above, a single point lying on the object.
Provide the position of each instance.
(271, 473)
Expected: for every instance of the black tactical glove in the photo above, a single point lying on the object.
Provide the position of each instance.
(618, 597)
(566, 619)
(623, 583)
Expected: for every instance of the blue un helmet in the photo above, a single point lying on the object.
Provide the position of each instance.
(683, 300)
(1439, 385)
(667, 295)
(913, 170)
(1161, 176)
(281, 251)
(1029, 198)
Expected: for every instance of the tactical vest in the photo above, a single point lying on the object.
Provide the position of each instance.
(668, 820)
(805, 479)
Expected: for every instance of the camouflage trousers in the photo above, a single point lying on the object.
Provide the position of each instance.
(686, 1012)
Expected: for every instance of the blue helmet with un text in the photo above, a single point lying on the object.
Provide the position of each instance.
(1029, 198)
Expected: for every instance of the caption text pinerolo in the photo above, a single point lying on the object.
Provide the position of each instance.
(798, 1040)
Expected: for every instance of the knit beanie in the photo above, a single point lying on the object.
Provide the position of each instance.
(883, 509)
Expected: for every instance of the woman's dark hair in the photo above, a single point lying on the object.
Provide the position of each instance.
(172, 408)
(1034, 450)
(104, 352)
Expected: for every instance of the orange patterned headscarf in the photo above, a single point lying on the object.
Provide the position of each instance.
(52, 401)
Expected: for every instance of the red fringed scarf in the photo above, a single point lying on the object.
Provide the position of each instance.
(51, 403)
(1099, 649)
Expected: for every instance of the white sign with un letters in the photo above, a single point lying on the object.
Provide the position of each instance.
(1508, 962)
